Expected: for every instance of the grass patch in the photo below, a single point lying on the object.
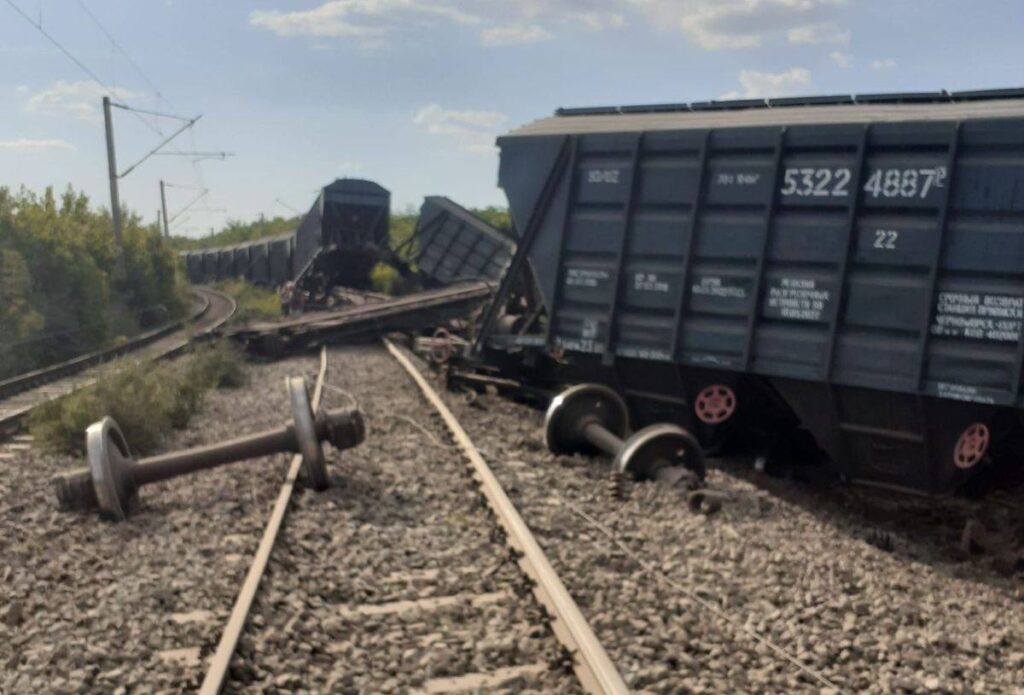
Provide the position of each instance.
(387, 280)
(254, 303)
(146, 400)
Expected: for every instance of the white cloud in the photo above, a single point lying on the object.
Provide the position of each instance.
(472, 131)
(504, 36)
(349, 166)
(361, 19)
(761, 85)
(80, 100)
(710, 24)
(883, 64)
(496, 22)
(843, 60)
(599, 21)
(736, 24)
(825, 32)
(26, 144)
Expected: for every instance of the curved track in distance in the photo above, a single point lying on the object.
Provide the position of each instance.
(20, 395)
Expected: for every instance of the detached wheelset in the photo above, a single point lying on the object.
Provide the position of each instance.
(591, 418)
(112, 479)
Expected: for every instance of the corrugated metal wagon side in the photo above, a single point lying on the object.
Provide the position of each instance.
(454, 244)
(259, 264)
(210, 265)
(242, 261)
(279, 254)
(194, 266)
(225, 264)
(863, 261)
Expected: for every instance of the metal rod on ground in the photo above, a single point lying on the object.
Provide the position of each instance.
(115, 198)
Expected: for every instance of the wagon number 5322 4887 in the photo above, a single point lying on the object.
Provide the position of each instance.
(816, 182)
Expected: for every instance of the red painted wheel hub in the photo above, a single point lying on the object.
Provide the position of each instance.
(972, 445)
(442, 348)
(715, 404)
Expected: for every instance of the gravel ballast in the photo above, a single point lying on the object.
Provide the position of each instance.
(788, 561)
(91, 606)
(402, 522)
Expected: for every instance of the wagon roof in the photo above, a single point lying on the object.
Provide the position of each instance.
(751, 113)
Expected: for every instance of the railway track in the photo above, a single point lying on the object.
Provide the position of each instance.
(20, 395)
(398, 578)
(432, 584)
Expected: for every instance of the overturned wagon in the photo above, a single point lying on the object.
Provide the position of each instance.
(451, 244)
(859, 262)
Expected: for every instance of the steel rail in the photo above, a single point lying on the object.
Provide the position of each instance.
(13, 388)
(217, 671)
(593, 667)
(27, 380)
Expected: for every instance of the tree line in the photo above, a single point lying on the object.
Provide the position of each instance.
(61, 293)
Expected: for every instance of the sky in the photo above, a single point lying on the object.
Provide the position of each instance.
(413, 93)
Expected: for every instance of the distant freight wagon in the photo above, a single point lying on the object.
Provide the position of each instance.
(341, 238)
(858, 259)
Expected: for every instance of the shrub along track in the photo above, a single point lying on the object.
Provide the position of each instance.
(19, 395)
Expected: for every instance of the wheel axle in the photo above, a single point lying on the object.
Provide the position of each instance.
(112, 479)
(590, 418)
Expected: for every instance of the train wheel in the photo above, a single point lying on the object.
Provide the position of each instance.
(715, 404)
(442, 348)
(972, 445)
(571, 410)
(659, 446)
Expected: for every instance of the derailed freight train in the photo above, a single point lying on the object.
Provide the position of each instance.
(853, 264)
(341, 238)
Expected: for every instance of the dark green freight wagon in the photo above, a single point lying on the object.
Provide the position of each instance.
(860, 258)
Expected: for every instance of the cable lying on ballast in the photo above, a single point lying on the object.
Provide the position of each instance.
(651, 569)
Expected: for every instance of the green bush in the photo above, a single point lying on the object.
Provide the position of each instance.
(61, 293)
(147, 401)
(254, 303)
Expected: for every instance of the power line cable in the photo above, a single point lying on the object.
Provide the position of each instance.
(74, 59)
(157, 114)
(137, 113)
(55, 42)
(166, 140)
(119, 47)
